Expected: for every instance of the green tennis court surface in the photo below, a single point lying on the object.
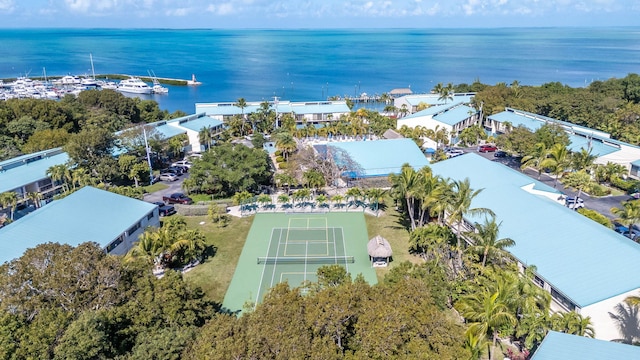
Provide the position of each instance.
(291, 247)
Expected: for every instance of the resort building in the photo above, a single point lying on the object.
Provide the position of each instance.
(190, 125)
(410, 104)
(452, 117)
(313, 112)
(373, 158)
(28, 173)
(557, 345)
(585, 266)
(599, 143)
(113, 221)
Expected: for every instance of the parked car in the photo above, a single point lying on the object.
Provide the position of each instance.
(182, 163)
(177, 198)
(453, 153)
(487, 148)
(500, 154)
(572, 203)
(174, 170)
(168, 177)
(165, 209)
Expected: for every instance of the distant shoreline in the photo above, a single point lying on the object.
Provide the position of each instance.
(167, 81)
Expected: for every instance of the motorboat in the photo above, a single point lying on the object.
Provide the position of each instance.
(134, 85)
(69, 80)
(159, 89)
(111, 85)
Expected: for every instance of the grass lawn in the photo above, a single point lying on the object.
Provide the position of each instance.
(390, 227)
(215, 274)
(155, 187)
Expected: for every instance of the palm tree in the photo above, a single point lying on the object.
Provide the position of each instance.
(35, 197)
(487, 313)
(264, 199)
(578, 180)
(9, 199)
(375, 196)
(284, 199)
(313, 179)
(628, 215)
(60, 173)
(354, 193)
(558, 160)
(286, 143)
(191, 243)
(572, 323)
(321, 200)
(242, 199)
(583, 160)
(337, 200)
(535, 159)
(146, 248)
(302, 195)
(406, 186)
(459, 206)
(241, 103)
(205, 136)
(476, 341)
(486, 242)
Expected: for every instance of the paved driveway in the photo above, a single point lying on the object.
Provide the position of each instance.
(602, 205)
(174, 186)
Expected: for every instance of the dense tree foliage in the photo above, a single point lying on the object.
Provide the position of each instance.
(29, 125)
(229, 168)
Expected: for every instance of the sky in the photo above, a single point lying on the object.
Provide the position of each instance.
(317, 14)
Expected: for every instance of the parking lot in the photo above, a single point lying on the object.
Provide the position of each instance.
(173, 187)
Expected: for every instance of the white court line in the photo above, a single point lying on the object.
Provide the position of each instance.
(264, 267)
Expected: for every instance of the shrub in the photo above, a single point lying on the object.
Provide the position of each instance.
(283, 165)
(598, 190)
(630, 186)
(278, 153)
(279, 159)
(596, 216)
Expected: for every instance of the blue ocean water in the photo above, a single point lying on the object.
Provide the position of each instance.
(304, 65)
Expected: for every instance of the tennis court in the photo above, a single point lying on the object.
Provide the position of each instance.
(291, 247)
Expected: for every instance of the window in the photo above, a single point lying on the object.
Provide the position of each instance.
(538, 281)
(150, 215)
(115, 243)
(134, 228)
(562, 300)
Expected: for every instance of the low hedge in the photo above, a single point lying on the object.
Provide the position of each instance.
(630, 186)
(192, 210)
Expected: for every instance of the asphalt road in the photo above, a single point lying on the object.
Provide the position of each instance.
(174, 186)
(602, 205)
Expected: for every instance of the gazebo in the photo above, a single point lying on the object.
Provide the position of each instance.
(379, 251)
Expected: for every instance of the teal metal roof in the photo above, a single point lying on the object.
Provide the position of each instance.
(200, 123)
(169, 131)
(597, 148)
(382, 157)
(580, 258)
(562, 346)
(27, 169)
(89, 214)
(517, 120)
(455, 115)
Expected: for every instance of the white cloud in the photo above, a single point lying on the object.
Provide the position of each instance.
(179, 12)
(7, 6)
(222, 9)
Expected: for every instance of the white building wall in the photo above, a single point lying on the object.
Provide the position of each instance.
(625, 156)
(605, 327)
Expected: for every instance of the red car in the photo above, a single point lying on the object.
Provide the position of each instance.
(487, 148)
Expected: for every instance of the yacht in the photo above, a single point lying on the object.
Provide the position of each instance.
(69, 80)
(134, 85)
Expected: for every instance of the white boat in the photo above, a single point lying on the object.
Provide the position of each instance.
(111, 85)
(69, 80)
(90, 81)
(134, 85)
(159, 89)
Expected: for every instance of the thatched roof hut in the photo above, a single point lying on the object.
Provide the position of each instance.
(379, 250)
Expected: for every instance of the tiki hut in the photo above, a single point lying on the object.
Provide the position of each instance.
(379, 251)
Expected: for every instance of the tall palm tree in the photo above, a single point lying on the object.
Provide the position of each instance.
(578, 180)
(241, 103)
(35, 197)
(628, 215)
(337, 200)
(283, 178)
(459, 207)
(485, 240)
(205, 136)
(9, 199)
(191, 243)
(535, 159)
(375, 196)
(264, 199)
(354, 194)
(558, 160)
(60, 173)
(406, 186)
(486, 309)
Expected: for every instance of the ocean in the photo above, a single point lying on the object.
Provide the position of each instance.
(308, 65)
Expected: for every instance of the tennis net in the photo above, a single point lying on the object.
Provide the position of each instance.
(306, 260)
